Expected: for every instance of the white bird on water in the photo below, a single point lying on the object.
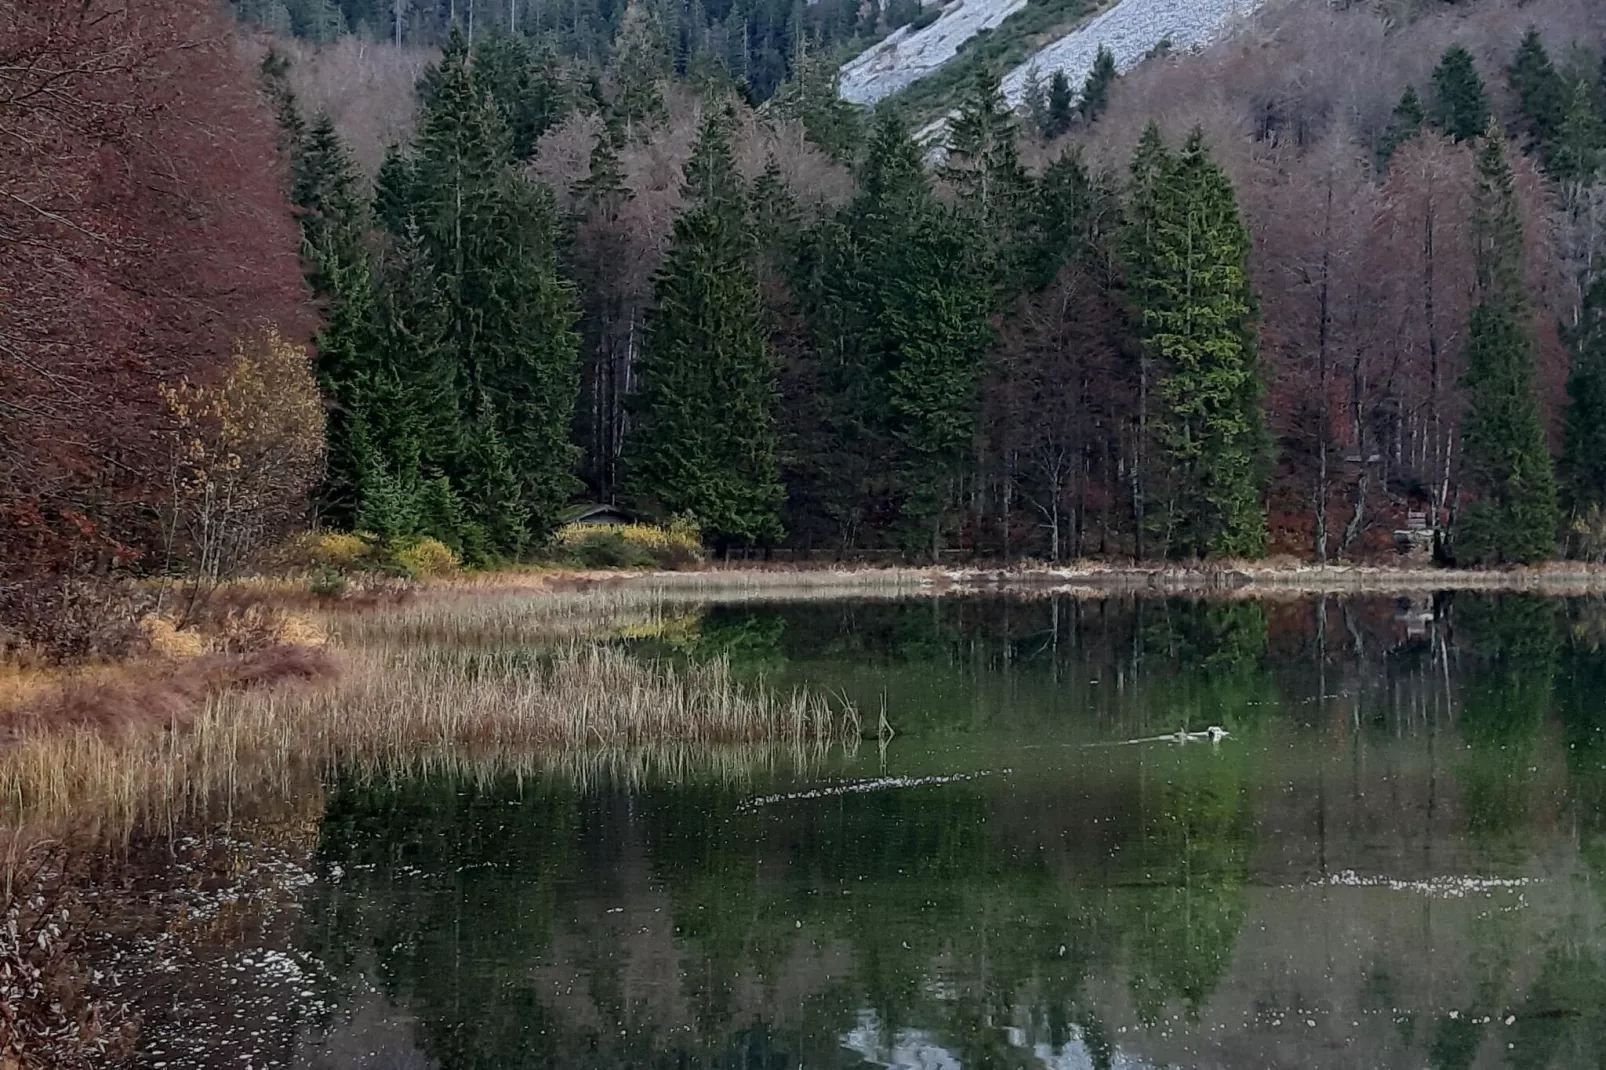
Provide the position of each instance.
(1215, 734)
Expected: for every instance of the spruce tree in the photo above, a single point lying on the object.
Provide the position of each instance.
(1065, 217)
(416, 365)
(1579, 148)
(525, 84)
(640, 65)
(898, 311)
(328, 194)
(1096, 90)
(389, 505)
(925, 327)
(325, 191)
(982, 162)
(704, 440)
(1034, 98)
(394, 190)
(1187, 256)
(497, 524)
(982, 165)
(1540, 92)
(348, 351)
(1583, 461)
(274, 73)
(810, 96)
(1404, 124)
(1061, 104)
(490, 236)
(1513, 515)
(1460, 105)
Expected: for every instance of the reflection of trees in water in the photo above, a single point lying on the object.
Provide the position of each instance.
(1145, 665)
(1508, 646)
(952, 912)
(1199, 833)
(1528, 660)
(912, 905)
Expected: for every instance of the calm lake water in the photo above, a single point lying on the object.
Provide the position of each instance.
(1396, 857)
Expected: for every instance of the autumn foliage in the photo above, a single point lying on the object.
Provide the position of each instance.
(145, 233)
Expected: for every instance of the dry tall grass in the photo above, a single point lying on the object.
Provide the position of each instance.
(584, 711)
(528, 609)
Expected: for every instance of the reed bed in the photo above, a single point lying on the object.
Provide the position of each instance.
(584, 710)
(492, 617)
(504, 618)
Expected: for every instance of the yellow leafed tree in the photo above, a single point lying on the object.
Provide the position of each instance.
(245, 450)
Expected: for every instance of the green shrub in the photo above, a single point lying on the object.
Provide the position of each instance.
(328, 583)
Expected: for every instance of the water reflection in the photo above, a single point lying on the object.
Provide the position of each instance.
(1395, 858)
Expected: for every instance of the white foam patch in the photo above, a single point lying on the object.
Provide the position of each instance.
(858, 787)
(1446, 887)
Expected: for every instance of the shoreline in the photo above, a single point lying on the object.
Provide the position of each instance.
(1283, 579)
(1091, 580)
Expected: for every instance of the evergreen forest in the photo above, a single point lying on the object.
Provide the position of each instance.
(1229, 304)
(800, 328)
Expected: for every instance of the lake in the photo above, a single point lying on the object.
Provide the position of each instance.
(1394, 855)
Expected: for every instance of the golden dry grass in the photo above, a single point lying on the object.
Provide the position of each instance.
(530, 609)
(583, 709)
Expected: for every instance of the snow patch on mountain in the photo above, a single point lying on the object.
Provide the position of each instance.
(907, 56)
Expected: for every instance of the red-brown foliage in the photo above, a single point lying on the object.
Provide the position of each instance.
(145, 228)
(164, 692)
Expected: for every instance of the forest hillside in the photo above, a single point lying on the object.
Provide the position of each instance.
(1328, 287)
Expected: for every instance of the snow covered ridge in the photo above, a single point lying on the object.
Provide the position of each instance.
(1130, 30)
(904, 58)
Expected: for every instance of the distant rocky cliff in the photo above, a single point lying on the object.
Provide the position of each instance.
(1131, 29)
(907, 56)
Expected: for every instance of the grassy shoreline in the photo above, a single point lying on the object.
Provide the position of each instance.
(508, 671)
(746, 582)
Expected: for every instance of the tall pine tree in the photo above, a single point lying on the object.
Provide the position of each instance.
(1513, 516)
(489, 237)
(1404, 124)
(1187, 257)
(1460, 103)
(704, 438)
(1540, 92)
(1096, 90)
(899, 311)
(982, 165)
(1061, 104)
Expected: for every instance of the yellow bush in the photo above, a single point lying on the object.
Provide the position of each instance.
(339, 550)
(170, 641)
(311, 551)
(670, 547)
(424, 558)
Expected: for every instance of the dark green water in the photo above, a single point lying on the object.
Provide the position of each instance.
(1397, 857)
